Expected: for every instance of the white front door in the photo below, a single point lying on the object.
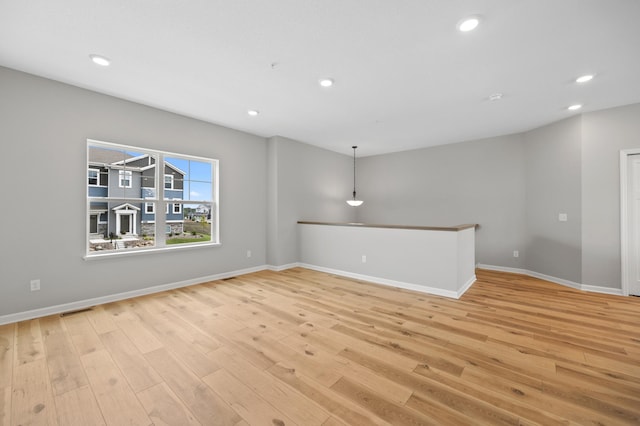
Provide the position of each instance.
(633, 218)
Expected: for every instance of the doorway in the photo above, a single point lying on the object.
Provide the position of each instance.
(630, 221)
(93, 224)
(125, 224)
(126, 218)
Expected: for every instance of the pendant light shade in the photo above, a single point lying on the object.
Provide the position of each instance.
(354, 202)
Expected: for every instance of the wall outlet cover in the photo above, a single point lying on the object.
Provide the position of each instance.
(35, 285)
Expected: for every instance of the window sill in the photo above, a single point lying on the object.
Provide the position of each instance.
(143, 251)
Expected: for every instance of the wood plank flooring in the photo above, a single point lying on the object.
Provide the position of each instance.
(308, 348)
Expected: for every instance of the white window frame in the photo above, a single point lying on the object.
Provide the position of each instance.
(153, 208)
(97, 178)
(170, 181)
(161, 220)
(125, 173)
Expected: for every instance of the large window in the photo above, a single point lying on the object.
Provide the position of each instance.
(148, 200)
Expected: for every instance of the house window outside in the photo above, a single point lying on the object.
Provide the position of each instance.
(168, 181)
(124, 214)
(93, 176)
(176, 208)
(125, 178)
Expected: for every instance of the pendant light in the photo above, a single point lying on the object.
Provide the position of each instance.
(354, 202)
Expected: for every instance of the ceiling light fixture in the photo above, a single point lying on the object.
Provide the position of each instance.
(469, 24)
(574, 107)
(354, 202)
(326, 82)
(495, 96)
(584, 78)
(253, 112)
(100, 60)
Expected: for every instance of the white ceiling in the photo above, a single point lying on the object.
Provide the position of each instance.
(405, 77)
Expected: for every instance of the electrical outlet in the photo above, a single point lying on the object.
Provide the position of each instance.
(364, 258)
(562, 217)
(516, 253)
(35, 285)
(248, 253)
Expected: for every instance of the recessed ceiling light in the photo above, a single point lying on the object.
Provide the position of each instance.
(574, 107)
(584, 78)
(469, 24)
(326, 82)
(495, 96)
(253, 112)
(100, 60)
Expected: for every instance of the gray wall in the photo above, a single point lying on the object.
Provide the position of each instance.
(471, 182)
(305, 183)
(553, 186)
(604, 134)
(513, 186)
(43, 128)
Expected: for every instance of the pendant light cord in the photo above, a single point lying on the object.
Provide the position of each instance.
(354, 171)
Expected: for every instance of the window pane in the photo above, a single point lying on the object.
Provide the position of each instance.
(191, 179)
(195, 227)
(121, 171)
(200, 191)
(121, 225)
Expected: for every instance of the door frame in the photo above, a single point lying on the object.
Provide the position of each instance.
(624, 217)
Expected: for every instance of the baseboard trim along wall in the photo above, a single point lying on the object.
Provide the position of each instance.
(283, 267)
(567, 283)
(87, 303)
(392, 283)
(83, 304)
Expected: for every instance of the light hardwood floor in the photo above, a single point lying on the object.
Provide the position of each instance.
(308, 348)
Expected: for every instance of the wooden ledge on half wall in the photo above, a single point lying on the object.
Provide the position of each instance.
(415, 227)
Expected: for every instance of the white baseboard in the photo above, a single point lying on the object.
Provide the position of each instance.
(605, 290)
(82, 304)
(467, 286)
(393, 283)
(567, 283)
(283, 267)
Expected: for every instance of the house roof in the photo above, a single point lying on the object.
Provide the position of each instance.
(127, 206)
(108, 157)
